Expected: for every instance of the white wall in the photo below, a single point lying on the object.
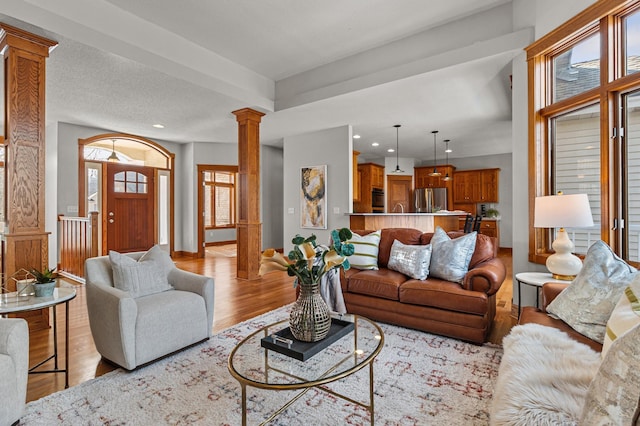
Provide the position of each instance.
(505, 188)
(51, 191)
(544, 16)
(332, 147)
(271, 196)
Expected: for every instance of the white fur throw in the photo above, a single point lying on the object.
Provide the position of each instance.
(543, 378)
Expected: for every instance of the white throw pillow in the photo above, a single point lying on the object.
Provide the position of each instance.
(586, 304)
(365, 255)
(139, 278)
(625, 315)
(450, 258)
(411, 260)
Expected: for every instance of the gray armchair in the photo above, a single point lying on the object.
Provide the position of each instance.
(14, 369)
(132, 331)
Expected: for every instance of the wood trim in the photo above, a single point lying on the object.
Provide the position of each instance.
(589, 17)
(220, 243)
(201, 169)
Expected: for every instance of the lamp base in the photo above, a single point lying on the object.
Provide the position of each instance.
(563, 277)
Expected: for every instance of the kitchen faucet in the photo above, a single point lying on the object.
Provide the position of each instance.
(401, 207)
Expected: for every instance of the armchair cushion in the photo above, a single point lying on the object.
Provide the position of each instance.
(14, 359)
(140, 278)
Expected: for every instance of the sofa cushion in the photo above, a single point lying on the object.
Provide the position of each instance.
(533, 315)
(450, 257)
(411, 260)
(625, 315)
(382, 283)
(365, 255)
(138, 277)
(443, 294)
(613, 395)
(586, 304)
(389, 235)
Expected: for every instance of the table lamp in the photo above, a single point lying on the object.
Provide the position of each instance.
(560, 211)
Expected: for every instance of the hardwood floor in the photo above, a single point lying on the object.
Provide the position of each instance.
(235, 301)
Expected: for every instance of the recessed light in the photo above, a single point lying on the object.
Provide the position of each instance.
(375, 144)
(391, 150)
(159, 126)
(356, 136)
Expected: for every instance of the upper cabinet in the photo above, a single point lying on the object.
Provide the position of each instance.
(356, 177)
(423, 180)
(370, 176)
(476, 186)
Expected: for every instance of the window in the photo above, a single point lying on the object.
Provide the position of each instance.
(585, 127)
(130, 181)
(219, 199)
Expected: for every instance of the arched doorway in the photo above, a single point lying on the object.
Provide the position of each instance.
(129, 181)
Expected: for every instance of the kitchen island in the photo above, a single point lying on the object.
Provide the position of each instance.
(426, 222)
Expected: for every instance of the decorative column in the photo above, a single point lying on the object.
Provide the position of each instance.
(25, 242)
(249, 227)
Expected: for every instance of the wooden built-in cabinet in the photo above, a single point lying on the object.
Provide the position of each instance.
(488, 227)
(370, 175)
(475, 186)
(356, 177)
(423, 180)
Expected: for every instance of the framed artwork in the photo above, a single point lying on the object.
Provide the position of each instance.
(313, 197)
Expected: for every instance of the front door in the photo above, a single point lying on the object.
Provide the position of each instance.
(129, 217)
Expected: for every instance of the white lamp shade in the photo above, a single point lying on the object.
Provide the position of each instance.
(560, 211)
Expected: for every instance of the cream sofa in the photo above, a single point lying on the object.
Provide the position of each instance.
(14, 369)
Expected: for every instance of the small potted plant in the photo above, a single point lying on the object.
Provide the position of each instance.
(493, 213)
(44, 281)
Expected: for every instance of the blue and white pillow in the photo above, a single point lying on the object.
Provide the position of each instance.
(450, 258)
(411, 260)
(365, 255)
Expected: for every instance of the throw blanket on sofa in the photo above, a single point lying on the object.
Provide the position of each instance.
(331, 291)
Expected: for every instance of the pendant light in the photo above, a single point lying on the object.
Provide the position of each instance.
(447, 178)
(435, 171)
(397, 170)
(113, 158)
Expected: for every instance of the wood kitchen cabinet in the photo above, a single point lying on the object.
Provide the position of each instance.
(423, 180)
(370, 175)
(356, 177)
(475, 186)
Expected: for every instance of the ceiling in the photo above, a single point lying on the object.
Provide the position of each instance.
(124, 65)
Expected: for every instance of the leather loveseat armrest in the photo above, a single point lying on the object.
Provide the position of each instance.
(486, 277)
(550, 291)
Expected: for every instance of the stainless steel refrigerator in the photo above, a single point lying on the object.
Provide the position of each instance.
(429, 200)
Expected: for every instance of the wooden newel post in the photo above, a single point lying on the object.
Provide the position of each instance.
(249, 227)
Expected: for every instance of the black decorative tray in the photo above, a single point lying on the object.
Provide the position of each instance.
(283, 341)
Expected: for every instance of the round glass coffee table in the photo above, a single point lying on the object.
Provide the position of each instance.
(253, 365)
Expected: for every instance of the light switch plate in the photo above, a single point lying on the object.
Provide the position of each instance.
(291, 210)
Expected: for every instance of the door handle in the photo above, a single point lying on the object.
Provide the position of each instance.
(111, 220)
(111, 213)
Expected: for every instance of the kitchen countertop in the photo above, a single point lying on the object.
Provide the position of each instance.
(409, 214)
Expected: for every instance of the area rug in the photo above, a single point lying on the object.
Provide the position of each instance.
(420, 379)
(227, 250)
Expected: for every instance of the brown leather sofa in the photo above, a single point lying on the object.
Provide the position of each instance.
(531, 314)
(463, 311)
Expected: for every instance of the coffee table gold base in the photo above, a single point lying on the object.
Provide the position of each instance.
(358, 357)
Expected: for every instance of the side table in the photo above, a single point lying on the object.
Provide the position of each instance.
(536, 279)
(64, 293)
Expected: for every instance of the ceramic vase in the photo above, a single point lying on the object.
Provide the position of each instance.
(310, 318)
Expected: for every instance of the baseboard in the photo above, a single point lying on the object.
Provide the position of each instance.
(186, 254)
(219, 243)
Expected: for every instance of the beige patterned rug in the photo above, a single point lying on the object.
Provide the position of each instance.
(420, 379)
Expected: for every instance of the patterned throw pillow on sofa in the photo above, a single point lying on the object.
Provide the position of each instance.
(365, 255)
(411, 260)
(587, 303)
(450, 258)
(625, 315)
